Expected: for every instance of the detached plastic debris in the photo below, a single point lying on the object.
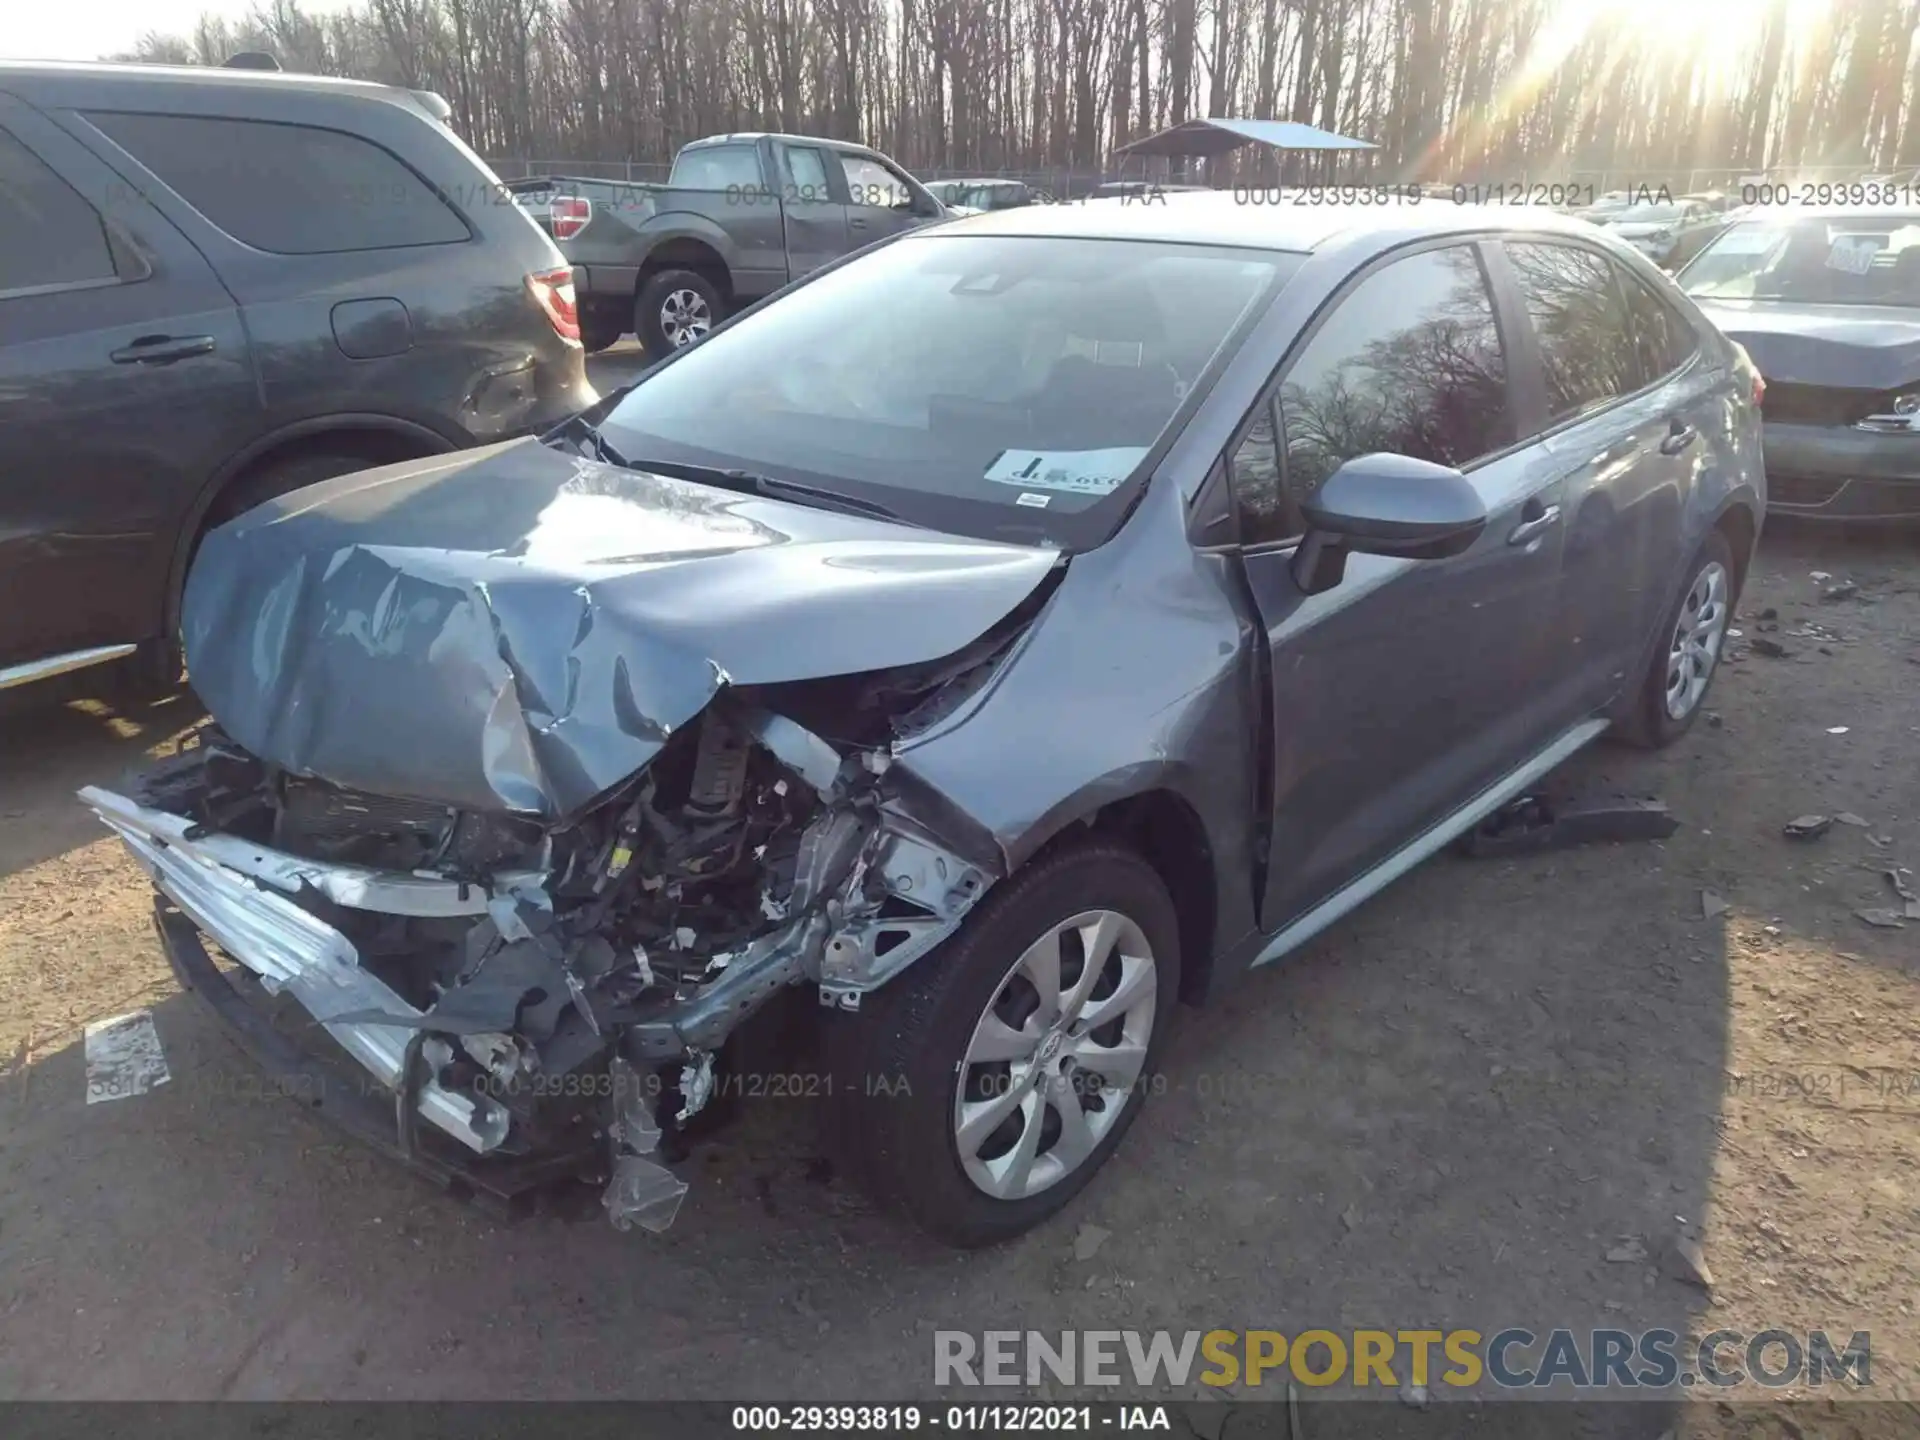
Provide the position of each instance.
(642, 1192)
(1807, 827)
(1534, 823)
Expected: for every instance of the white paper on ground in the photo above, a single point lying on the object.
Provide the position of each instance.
(124, 1057)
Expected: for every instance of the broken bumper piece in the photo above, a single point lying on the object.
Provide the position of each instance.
(294, 952)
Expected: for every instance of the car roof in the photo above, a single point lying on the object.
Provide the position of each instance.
(1220, 217)
(1831, 211)
(737, 137)
(114, 77)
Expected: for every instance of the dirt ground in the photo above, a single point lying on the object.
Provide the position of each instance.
(1446, 1112)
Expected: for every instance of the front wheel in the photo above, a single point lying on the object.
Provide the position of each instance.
(1687, 657)
(980, 1091)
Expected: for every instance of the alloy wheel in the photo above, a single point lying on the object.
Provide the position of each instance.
(1698, 635)
(1057, 1055)
(685, 316)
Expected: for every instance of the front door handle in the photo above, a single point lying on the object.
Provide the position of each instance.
(856, 224)
(1678, 438)
(1535, 525)
(162, 349)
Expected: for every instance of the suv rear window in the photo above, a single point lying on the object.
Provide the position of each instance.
(288, 189)
(48, 234)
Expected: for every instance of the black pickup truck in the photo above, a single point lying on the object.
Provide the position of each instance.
(739, 217)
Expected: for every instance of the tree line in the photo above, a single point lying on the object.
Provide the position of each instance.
(1469, 90)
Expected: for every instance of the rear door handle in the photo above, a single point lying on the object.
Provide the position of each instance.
(1678, 438)
(1537, 525)
(856, 224)
(162, 349)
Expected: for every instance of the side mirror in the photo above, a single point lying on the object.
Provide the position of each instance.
(1386, 505)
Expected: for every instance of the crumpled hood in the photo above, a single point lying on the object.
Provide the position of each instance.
(515, 628)
(1844, 347)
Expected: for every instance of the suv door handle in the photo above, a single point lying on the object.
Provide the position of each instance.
(1678, 438)
(856, 223)
(162, 349)
(1533, 525)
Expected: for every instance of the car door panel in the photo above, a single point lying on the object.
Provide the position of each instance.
(1403, 690)
(117, 402)
(815, 207)
(1619, 442)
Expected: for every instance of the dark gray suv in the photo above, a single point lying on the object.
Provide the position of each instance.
(217, 286)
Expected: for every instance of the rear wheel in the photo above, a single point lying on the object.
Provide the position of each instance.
(979, 1092)
(1687, 658)
(295, 472)
(600, 328)
(675, 308)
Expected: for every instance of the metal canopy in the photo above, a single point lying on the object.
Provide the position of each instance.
(1219, 137)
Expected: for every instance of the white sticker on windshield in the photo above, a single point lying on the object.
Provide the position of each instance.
(1038, 502)
(1079, 472)
(1853, 254)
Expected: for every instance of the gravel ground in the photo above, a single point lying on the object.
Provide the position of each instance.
(1447, 1111)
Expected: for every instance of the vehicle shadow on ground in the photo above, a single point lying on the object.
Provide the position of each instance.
(48, 750)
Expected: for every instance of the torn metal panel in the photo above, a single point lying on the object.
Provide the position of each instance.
(356, 886)
(294, 951)
(517, 629)
(641, 1191)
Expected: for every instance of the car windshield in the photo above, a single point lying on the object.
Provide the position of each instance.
(1647, 214)
(1820, 260)
(989, 385)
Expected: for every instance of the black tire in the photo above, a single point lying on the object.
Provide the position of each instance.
(897, 1063)
(651, 320)
(282, 477)
(1648, 722)
(601, 327)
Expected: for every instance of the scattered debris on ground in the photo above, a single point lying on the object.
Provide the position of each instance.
(1685, 1261)
(1533, 823)
(1883, 919)
(1769, 647)
(1630, 1251)
(1089, 1239)
(1712, 906)
(1807, 827)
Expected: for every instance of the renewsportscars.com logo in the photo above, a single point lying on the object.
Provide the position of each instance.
(1512, 1359)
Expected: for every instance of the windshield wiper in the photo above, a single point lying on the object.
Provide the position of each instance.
(591, 442)
(771, 486)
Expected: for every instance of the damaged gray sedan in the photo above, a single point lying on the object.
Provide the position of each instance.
(1011, 633)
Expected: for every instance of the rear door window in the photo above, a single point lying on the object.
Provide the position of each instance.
(49, 235)
(718, 167)
(1663, 342)
(288, 189)
(808, 169)
(1409, 362)
(1580, 318)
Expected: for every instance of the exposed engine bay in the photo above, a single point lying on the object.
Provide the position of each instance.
(572, 983)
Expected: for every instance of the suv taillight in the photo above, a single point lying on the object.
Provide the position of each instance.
(553, 290)
(568, 214)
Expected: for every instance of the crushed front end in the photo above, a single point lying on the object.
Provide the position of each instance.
(521, 998)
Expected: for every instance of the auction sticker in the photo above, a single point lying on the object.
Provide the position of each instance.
(1079, 472)
(124, 1058)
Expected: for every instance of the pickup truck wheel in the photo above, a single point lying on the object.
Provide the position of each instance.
(675, 308)
(980, 1091)
(600, 328)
